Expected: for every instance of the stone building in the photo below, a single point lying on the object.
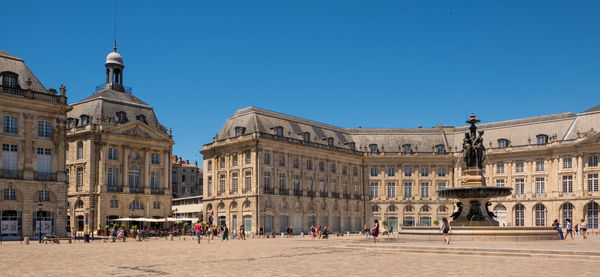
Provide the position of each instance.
(186, 178)
(118, 155)
(32, 179)
(272, 169)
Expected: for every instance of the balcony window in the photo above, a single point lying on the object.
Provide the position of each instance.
(374, 189)
(440, 149)
(373, 148)
(502, 143)
(567, 183)
(155, 158)
(44, 161)
(593, 161)
(44, 129)
(542, 139)
(391, 189)
(10, 125)
(113, 154)
(10, 158)
(9, 81)
(567, 162)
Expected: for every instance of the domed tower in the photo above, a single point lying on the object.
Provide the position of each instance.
(114, 70)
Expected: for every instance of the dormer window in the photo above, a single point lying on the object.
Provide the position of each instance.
(141, 118)
(542, 139)
(9, 80)
(279, 131)
(239, 131)
(373, 148)
(71, 122)
(122, 117)
(502, 143)
(306, 137)
(85, 119)
(406, 149)
(352, 145)
(329, 141)
(440, 149)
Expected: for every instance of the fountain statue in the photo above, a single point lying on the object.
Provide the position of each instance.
(473, 196)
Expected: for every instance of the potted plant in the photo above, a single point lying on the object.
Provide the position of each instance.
(132, 234)
(100, 231)
(185, 228)
(436, 222)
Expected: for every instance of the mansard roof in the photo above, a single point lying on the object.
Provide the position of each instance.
(16, 65)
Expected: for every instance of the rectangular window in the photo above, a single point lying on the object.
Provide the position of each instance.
(248, 181)
(43, 196)
(355, 171)
(593, 161)
(9, 81)
(79, 178)
(114, 203)
(296, 163)
(10, 158)
(296, 182)
(321, 166)
(391, 189)
(500, 183)
(113, 177)
(222, 162)
(407, 189)
(519, 186)
(567, 183)
(500, 168)
(209, 185)
(441, 186)
(425, 189)
(374, 189)
(540, 185)
(519, 167)
(156, 205)
(374, 171)
(113, 154)
(567, 163)
(44, 129)
(10, 125)
(424, 171)
(234, 182)
(248, 158)
(344, 170)
(592, 182)
(234, 160)
(222, 184)
(333, 168)
(10, 194)
(391, 172)
(44, 160)
(308, 164)
(80, 150)
(407, 171)
(442, 171)
(267, 158)
(539, 166)
(209, 165)
(281, 160)
(155, 180)
(282, 185)
(267, 177)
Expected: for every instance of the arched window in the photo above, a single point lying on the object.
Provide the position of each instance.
(375, 208)
(443, 209)
(519, 215)
(502, 143)
(373, 148)
(391, 208)
(567, 212)
(209, 207)
(233, 205)
(542, 139)
(425, 209)
(136, 205)
(79, 204)
(592, 215)
(406, 149)
(540, 217)
(408, 208)
(221, 206)
(440, 149)
(247, 204)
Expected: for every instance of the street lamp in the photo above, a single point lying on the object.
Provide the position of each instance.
(38, 221)
(92, 219)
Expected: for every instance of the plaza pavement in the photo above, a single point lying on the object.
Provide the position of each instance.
(338, 256)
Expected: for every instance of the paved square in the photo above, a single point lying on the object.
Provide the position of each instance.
(348, 256)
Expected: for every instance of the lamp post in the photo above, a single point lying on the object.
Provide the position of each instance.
(545, 217)
(92, 207)
(38, 221)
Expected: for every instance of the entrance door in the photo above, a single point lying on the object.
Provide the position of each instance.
(221, 220)
(234, 223)
(248, 223)
(80, 223)
(393, 222)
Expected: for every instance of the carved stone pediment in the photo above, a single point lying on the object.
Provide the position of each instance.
(138, 131)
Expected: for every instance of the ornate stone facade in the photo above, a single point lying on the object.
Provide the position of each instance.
(32, 177)
(118, 156)
(394, 174)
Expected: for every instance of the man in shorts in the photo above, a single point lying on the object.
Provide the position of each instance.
(198, 231)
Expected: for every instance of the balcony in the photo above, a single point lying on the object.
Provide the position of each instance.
(347, 195)
(268, 190)
(311, 193)
(30, 94)
(157, 190)
(114, 188)
(11, 174)
(297, 192)
(284, 191)
(45, 176)
(247, 190)
(335, 194)
(136, 190)
(357, 196)
(323, 194)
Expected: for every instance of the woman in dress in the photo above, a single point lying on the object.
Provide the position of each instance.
(375, 231)
(445, 229)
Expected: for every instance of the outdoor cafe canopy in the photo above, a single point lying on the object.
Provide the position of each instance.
(164, 219)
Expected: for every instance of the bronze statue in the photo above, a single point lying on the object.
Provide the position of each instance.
(473, 148)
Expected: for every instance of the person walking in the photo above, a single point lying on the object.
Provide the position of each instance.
(313, 231)
(445, 229)
(583, 228)
(198, 229)
(225, 233)
(261, 231)
(391, 231)
(319, 230)
(556, 226)
(569, 228)
(375, 231)
(242, 232)
(366, 230)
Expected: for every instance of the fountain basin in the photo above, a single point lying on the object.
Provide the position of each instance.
(475, 192)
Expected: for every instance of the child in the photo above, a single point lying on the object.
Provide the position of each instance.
(445, 229)
(556, 225)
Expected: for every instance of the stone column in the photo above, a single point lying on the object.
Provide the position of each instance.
(146, 182)
(578, 182)
(125, 170)
(28, 150)
(102, 182)
(166, 184)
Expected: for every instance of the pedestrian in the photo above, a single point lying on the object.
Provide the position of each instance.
(225, 233)
(569, 228)
(556, 226)
(375, 231)
(313, 231)
(198, 228)
(319, 230)
(242, 232)
(584, 228)
(391, 230)
(73, 234)
(261, 231)
(366, 230)
(291, 231)
(445, 229)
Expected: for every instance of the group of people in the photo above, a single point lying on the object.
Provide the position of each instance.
(445, 229)
(211, 231)
(569, 228)
(322, 233)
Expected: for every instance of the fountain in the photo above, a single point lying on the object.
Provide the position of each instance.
(473, 195)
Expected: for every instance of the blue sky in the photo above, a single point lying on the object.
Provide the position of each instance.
(346, 63)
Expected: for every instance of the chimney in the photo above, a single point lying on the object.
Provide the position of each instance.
(187, 161)
(196, 163)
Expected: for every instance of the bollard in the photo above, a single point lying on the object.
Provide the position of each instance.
(281, 235)
(26, 240)
(302, 234)
(171, 237)
(347, 233)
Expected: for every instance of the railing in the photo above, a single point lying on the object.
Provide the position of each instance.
(114, 87)
(114, 188)
(335, 194)
(157, 190)
(311, 193)
(10, 130)
(323, 194)
(297, 192)
(245, 190)
(268, 190)
(11, 174)
(284, 191)
(30, 94)
(45, 176)
(347, 195)
(136, 190)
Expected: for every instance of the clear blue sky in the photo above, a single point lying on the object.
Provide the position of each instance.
(346, 63)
